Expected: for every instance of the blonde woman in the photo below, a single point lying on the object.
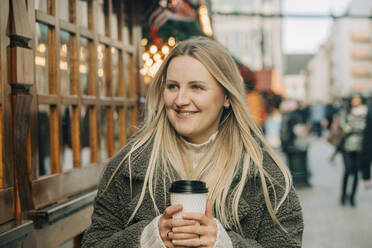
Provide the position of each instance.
(197, 126)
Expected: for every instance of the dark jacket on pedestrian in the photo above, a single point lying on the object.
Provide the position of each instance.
(366, 157)
(113, 208)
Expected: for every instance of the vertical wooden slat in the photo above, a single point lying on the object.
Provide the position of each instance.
(90, 14)
(75, 136)
(4, 12)
(55, 155)
(133, 95)
(108, 71)
(110, 131)
(2, 181)
(93, 134)
(72, 11)
(122, 126)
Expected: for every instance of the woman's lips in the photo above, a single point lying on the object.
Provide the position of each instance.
(182, 114)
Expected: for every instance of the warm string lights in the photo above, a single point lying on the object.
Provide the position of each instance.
(153, 57)
(205, 21)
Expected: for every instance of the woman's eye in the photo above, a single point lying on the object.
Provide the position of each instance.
(197, 87)
(171, 86)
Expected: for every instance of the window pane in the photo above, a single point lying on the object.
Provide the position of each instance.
(64, 62)
(41, 58)
(115, 71)
(83, 66)
(114, 20)
(63, 9)
(41, 5)
(127, 58)
(82, 13)
(101, 69)
(103, 132)
(44, 139)
(66, 156)
(100, 23)
(84, 131)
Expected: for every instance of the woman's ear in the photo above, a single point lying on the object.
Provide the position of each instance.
(226, 103)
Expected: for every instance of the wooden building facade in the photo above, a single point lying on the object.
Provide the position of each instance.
(69, 90)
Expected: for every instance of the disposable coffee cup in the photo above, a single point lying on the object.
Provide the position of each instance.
(191, 194)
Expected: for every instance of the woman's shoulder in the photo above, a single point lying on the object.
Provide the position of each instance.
(128, 162)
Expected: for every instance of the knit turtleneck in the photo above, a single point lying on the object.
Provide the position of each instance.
(197, 151)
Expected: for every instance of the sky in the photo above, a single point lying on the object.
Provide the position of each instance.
(306, 35)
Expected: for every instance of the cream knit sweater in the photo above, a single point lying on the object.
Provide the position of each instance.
(150, 236)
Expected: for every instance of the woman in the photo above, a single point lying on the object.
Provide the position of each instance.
(352, 123)
(196, 126)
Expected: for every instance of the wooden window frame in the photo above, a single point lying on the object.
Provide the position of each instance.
(54, 187)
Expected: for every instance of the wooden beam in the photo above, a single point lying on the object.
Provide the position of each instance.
(21, 117)
(68, 183)
(21, 22)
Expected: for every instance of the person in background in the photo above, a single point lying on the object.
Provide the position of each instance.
(353, 123)
(196, 127)
(317, 116)
(366, 157)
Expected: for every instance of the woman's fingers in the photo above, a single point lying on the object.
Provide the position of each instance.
(172, 210)
(201, 218)
(173, 236)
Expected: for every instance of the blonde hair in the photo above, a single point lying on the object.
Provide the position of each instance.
(237, 142)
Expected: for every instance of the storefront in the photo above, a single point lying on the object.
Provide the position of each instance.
(69, 90)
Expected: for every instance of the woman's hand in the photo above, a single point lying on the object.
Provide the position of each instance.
(166, 223)
(206, 232)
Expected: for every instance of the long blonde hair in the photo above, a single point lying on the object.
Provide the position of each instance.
(237, 142)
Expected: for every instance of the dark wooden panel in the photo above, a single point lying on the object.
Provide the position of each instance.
(47, 216)
(64, 230)
(6, 204)
(53, 188)
(13, 233)
(45, 18)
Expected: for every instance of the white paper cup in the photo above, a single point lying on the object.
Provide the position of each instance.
(192, 195)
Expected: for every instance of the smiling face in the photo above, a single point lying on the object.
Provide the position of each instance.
(193, 99)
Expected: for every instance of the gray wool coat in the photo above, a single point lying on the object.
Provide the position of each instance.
(113, 208)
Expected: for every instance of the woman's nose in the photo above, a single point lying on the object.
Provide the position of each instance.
(182, 98)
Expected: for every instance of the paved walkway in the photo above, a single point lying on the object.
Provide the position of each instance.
(327, 223)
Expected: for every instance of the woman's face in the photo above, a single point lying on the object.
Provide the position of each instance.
(356, 101)
(193, 99)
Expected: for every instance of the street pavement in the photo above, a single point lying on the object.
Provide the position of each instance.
(327, 223)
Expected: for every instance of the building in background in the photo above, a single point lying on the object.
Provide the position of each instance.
(319, 75)
(344, 63)
(255, 40)
(295, 75)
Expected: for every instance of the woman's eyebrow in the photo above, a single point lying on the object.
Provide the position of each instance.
(190, 82)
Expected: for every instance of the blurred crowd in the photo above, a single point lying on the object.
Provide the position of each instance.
(345, 123)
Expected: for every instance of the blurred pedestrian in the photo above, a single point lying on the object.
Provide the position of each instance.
(366, 157)
(317, 116)
(353, 123)
(295, 141)
(196, 127)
